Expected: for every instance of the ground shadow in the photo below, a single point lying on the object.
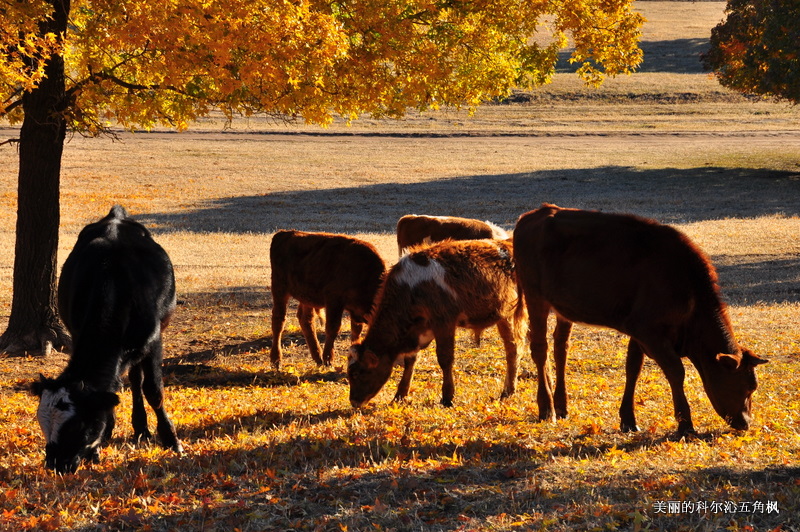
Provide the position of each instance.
(676, 56)
(668, 195)
(765, 279)
(486, 482)
(179, 372)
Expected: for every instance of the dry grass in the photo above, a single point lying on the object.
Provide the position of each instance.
(277, 450)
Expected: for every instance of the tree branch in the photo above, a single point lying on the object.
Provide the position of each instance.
(16, 103)
(9, 141)
(94, 77)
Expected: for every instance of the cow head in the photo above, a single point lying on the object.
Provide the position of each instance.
(367, 373)
(74, 419)
(731, 386)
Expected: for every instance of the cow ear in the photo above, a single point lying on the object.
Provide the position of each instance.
(370, 359)
(731, 362)
(750, 359)
(39, 386)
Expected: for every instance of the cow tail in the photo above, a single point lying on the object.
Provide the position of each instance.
(520, 315)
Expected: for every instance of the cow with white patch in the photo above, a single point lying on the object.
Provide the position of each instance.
(116, 294)
(425, 297)
(322, 270)
(414, 229)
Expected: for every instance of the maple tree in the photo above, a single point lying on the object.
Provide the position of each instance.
(755, 50)
(88, 65)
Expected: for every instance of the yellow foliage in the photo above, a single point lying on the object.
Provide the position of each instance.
(143, 63)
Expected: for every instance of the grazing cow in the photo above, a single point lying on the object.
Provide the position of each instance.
(322, 270)
(644, 279)
(116, 294)
(426, 295)
(413, 230)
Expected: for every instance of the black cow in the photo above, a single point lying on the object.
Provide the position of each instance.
(116, 294)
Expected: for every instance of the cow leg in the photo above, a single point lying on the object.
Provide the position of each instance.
(153, 387)
(476, 337)
(672, 366)
(405, 380)
(633, 368)
(445, 349)
(138, 413)
(111, 420)
(279, 302)
(333, 324)
(537, 314)
(560, 348)
(512, 357)
(306, 318)
(355, 329)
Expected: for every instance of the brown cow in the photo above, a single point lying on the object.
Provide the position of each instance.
(322, 270)
(425, 296)
(415, 229)
(644, 279)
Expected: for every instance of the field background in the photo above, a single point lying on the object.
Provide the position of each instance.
(277, 450)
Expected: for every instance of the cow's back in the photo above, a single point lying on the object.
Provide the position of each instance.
(605, 269)
(414, 229)
(314, 266)
(474, 279)
(482, 271)
(116, 285)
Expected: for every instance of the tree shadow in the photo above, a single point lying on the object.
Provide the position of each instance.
(475, 482)
(675, 56)
(668, 195)
(179, 372)
(765, 279)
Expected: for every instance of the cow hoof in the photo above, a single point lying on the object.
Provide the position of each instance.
(94, 456)
(447, 402)
(626, 427)
(142, 437)
(686, 430)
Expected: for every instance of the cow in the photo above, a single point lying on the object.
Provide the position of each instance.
(322, 270)
(644, 279)
(414, 229)
(116, 294)
(425, 296)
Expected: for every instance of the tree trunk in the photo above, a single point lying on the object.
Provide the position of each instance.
(34, 326)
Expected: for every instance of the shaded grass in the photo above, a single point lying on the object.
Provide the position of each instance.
(284, 451)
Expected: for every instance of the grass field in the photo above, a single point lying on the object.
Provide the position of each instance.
(270, 450)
